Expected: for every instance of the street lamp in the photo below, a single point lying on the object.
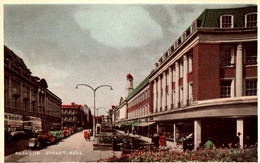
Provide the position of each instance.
(94, 90)
(97, 111)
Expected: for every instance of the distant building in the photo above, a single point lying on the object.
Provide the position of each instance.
(87, 118)
(28, 95)
(72, 115)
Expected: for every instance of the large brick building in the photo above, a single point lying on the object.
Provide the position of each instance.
(28, 95)
(205, 83)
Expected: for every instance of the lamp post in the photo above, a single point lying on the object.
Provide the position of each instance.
(97, 111)
(94, 90)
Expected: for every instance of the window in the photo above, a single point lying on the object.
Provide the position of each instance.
(225, 88)
(190, 62)
(251, 53)
(251, 20)
(227, 56)
(181, 96)
(181, 68)
(251, 87)
(226, 21)
(190, 93)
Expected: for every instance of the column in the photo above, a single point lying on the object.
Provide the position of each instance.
(159, 93)
(174, 133)
(177, 90)
(170, 80)
(164, 99)
(239, 70)
(185, 82)
(197, 133)
(240, 128)
(154, 96)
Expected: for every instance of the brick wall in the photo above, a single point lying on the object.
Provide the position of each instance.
(206, 83)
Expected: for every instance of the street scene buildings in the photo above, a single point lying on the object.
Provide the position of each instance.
(205, 83)
(200, 95)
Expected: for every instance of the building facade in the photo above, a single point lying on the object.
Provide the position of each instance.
(87, 118)
(206, 81)
(28, 95)
(72, 116)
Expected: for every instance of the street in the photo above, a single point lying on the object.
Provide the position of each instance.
(72, 149)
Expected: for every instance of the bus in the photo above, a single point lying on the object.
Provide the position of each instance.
(13, 124)
(32, 125)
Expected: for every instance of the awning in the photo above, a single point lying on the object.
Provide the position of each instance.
(135, 123)
(146, 124)
(149, 123)
(141, 124)
(125, 124)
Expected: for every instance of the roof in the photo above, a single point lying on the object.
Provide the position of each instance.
(72, 105)
(143, 83)
(209, 16)
(12, 56)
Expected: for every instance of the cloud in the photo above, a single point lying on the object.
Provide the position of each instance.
(119, 26)
(53, 75)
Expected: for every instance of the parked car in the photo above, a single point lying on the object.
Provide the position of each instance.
(43, 139)
(74, 130)
(66, 132)
(57, 135)
(79, 129)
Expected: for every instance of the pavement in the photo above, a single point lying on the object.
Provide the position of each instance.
(72, 149)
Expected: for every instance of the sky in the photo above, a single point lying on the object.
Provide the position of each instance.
(95, 44)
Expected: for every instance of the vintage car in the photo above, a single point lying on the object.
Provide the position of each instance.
(79, 129)
(74, 130)
(58, 135)
(43, 139)
(66, 132)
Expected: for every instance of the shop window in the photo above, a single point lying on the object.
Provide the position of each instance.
(225, 88)
(227, 57)
(251, 20)
(251, 87)
(227, 21)
(251, 54)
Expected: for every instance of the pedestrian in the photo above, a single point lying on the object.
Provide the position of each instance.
(114, 143)
(209, 144)
(247, 142)
(86, 135)
(134, 131)
(162, 140)
(237, 140)
(156, 138)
